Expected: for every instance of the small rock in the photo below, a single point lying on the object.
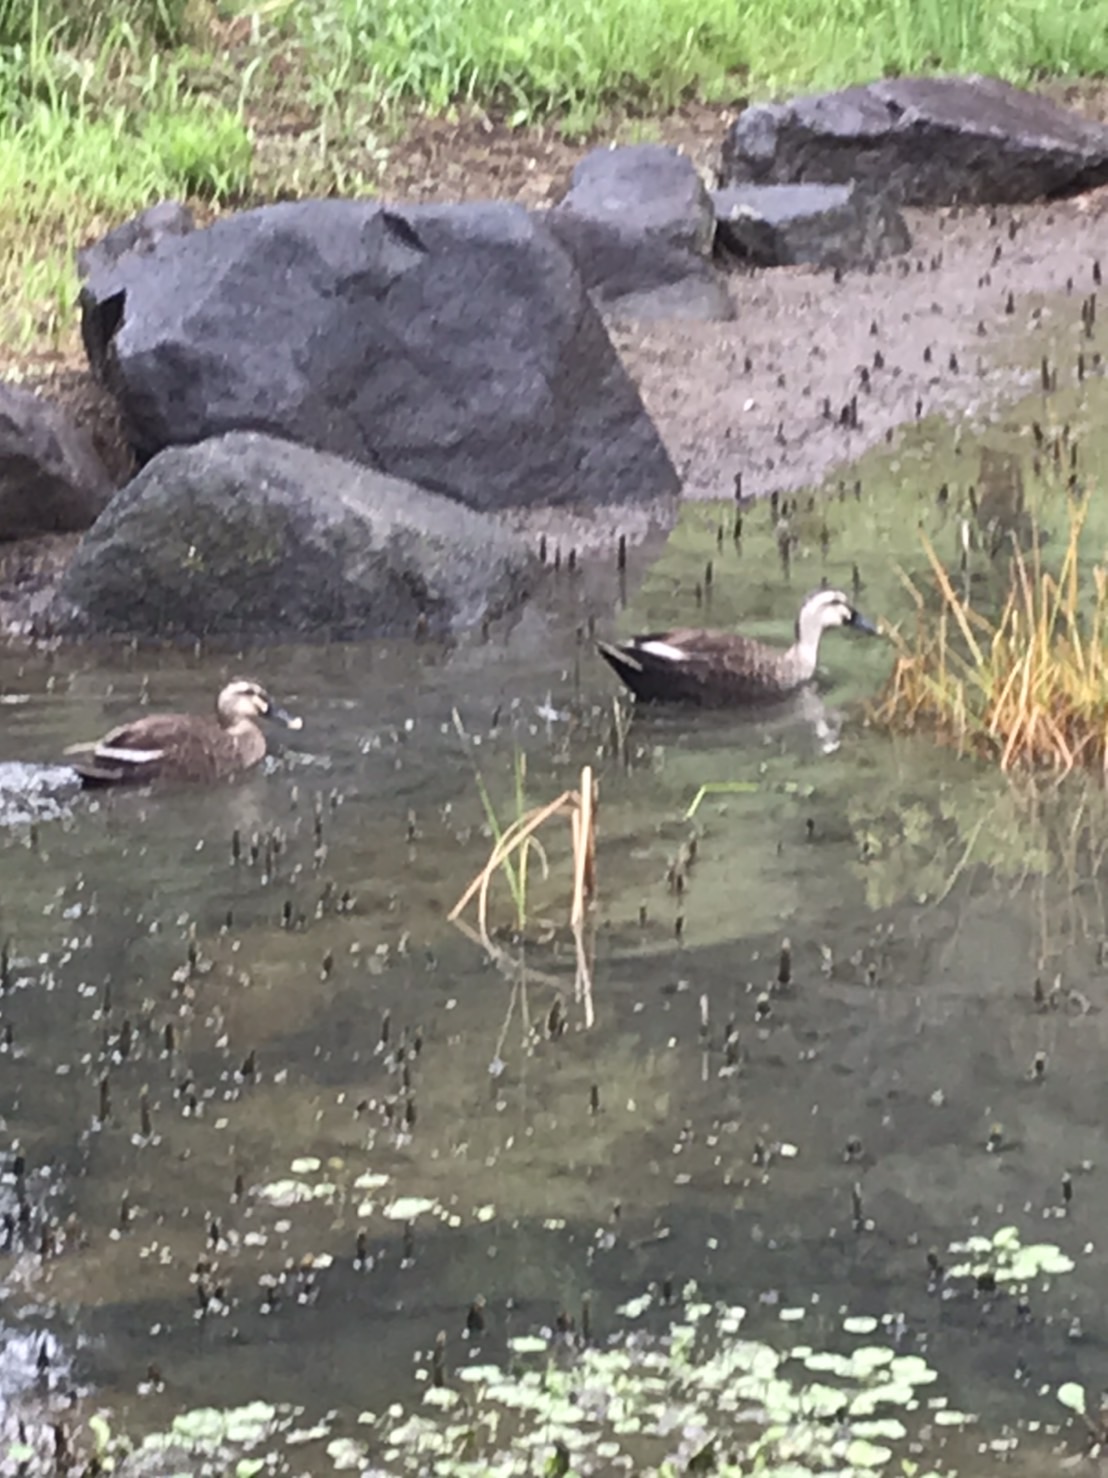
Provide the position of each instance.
(51, 480)
(922, 141)
(247, 536)
(821, 225)
(638, 222)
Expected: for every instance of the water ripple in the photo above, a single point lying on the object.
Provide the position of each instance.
(34, 792)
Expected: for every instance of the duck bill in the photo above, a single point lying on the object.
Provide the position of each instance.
(282, 716)
(863, 623)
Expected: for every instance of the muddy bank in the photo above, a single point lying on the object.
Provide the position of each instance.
(763, 396)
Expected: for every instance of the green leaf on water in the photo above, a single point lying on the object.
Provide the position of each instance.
(1073, 1395)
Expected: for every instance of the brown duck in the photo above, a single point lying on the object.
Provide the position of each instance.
(184, 746)
(718, 668)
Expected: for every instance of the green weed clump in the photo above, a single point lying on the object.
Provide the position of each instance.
(528, 60)
(1028, 689)
(86, 139)
(575, 58)
(161, 22)
(67, 177)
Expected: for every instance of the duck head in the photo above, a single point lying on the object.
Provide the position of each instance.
(246, 699)
(827, 608)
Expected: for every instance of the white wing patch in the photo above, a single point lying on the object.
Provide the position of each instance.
(664, 650)
(127, 756)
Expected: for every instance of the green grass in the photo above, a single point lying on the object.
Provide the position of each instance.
(106, 108)
(580, 56)
(67, 173)
(162, 22)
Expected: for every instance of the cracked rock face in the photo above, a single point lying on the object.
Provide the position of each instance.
(454, 346)
(922, 141)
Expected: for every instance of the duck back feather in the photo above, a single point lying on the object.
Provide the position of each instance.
(164, 745)
(708, 669)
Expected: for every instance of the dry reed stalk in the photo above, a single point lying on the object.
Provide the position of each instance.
(1030, 688)
(580, 807)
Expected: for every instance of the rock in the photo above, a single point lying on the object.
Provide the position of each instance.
(638, 222)
(51, 480)
(249, 537)
(922, 140)
(140, 234)
(822, 225)
(451, 345)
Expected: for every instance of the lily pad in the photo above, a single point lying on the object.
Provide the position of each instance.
(1073, 1395)
(407, 1208)
(860, 1324)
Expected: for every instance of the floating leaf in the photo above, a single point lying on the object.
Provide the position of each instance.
(860, 1324)
(407, 1208)
(862, 1454)
(1073, 1396)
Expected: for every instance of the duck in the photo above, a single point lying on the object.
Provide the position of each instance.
(184, 746)
(717, 669)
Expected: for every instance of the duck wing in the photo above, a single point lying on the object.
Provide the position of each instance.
(143, 749)
(707, 668)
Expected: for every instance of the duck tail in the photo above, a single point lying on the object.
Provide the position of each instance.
(622, 660)
(646, 675)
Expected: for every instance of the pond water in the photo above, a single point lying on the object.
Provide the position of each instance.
(271, 1123)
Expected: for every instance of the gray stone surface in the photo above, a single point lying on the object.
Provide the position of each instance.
(923, 141)
(51, 480)
(820, 225)
(455, 346)
(247, 536)
(140, 234)
(638, 222)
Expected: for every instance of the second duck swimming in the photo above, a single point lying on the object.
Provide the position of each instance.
(716, 669)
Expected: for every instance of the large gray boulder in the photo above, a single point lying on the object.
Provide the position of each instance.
(51, 480)
(638, 222)
(455, 346)
(924, 140)
(248, 536)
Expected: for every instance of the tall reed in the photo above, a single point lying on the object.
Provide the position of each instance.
(1028, 688)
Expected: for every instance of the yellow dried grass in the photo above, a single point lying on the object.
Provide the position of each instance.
(509, 856)
(1028, 689)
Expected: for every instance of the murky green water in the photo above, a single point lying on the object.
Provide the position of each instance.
(283, 1124)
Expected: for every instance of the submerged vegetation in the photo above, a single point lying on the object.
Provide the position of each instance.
(104, 109)
(704, 1396)
(1027, 687)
